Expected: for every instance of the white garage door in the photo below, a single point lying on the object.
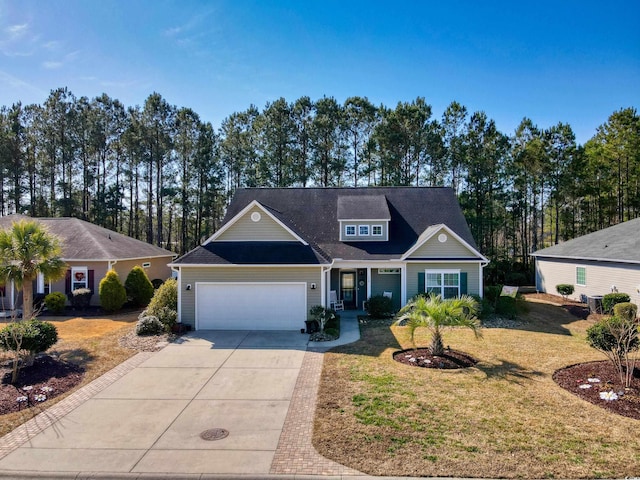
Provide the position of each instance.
(251, 306)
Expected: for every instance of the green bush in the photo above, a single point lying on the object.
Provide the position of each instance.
(149, 325)
(606, 335)
(379, 306)
(138, 286)
(611, 299)
(55, 302)
(33, 336)
(112, 292)
(164, 304)
(564, 289)
(626, 310)
(80, 297)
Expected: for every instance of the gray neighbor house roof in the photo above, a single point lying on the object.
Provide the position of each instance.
(85, 241)
(620, 243)
(314, 213)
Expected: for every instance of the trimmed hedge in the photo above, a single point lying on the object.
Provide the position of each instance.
(112, 292)
(611, 299)
(55, 302)
(138, 286)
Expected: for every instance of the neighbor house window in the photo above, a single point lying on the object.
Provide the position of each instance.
(146, 265)
(350, 230)
(581, 276)
(79, 278)
(445, 283)
(364, 230)
(376, 230)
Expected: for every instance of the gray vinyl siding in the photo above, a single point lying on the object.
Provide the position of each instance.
(266, 229)
(600, 276)
(245, 274)
(472, 269)
(386, 283)
(433, 248)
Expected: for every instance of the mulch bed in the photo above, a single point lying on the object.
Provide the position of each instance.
(421, 357)
(46, 372)
(628, 402)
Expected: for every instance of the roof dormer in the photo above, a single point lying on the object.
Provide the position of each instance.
(363, 218)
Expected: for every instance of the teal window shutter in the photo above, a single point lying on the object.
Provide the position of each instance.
(421, 282)
(463, 283)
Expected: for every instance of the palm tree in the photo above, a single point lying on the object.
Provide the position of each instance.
(434, 312)
(27, 249)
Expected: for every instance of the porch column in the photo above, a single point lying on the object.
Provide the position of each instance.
(403, 286)
(13, 296)
(323, 287)
(368, 283)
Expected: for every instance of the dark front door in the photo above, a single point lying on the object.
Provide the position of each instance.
(348, 289)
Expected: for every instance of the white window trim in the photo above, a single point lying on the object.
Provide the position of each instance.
(146, 265)
(346, 231)
(441, 272)
(585, 276)
(373, 233)
(360, 228)
(75, 270)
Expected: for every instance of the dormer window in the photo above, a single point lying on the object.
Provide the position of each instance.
(350, 230)
(363, 230)
(363, 218)
(376, 230)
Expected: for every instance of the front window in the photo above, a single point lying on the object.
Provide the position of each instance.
(350, 230)
(364, 230)
(79, 278)
(581, 276)
(445, 283)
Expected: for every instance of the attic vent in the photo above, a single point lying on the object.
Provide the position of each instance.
(442, 237)
(255, 216)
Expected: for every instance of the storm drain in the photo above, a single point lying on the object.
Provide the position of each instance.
(214, 434)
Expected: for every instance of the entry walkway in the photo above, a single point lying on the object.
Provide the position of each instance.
(145, 417)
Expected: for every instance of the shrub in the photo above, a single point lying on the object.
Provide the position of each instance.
(112, 292)
(164, 304)
(30, 336)
(564, 289)
(80, 297)
(379, 306)
(149, 325)
(55, 302)
(139, 288)
(616, 337)
(611, 299)
(321, 315)
(626, 310)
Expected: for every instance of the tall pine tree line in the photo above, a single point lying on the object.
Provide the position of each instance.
(159, 173)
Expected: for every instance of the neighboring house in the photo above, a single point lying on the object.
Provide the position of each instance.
(281, 251)
(596, 264)
(90, 251)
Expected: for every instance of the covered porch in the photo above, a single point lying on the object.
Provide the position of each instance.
(355, 284)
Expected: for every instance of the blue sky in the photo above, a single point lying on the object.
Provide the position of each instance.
(570, 61)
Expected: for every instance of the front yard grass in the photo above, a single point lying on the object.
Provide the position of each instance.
(91, 343)
(504, 418)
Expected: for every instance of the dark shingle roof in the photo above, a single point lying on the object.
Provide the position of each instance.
(85, 241)
(363, 207)
(313, 214)
(253, 253)
(620, 243)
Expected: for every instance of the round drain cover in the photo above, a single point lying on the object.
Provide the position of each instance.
(214, 434)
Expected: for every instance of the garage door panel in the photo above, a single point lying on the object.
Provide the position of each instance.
(250, 306)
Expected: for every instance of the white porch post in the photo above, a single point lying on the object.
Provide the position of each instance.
(403, 286)
(323, 287)
(481, 281)
(368, 283)
(13, 296)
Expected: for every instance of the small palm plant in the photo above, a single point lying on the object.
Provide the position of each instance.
(436, 313)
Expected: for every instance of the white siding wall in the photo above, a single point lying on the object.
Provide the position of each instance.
(600, 277)
(265, 229)
(244, 274)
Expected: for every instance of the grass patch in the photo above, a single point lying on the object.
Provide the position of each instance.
(504, 418)
(90, 343)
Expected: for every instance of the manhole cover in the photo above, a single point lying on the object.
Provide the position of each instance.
(214, 434)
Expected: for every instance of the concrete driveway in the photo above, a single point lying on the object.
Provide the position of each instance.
(150, 420)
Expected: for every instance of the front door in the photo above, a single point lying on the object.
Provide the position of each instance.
(348, 289)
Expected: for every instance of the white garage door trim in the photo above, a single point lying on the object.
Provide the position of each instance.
(251, 305)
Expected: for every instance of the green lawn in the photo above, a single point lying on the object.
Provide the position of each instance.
(503, 418)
